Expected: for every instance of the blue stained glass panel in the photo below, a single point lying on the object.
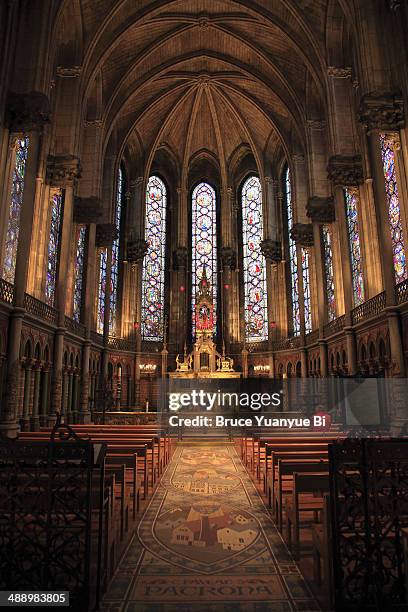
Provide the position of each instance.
(101, 290)
(256, 311)
(204, 243)
(306, 290)
(351, 201)
(294, 274)
(394, 212)
(79, 268)
(329, 273)
(154, 261)
(16, 200)
(53, 245)
(115, 256)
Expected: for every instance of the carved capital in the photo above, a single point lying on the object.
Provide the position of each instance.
(321, 210)
(339, 73)
(62, 170)
(345, 170)
(272, 250)
(136, 250)
(382, 112)
(180, 258)
(87, 210)
(316, 124)
(302, 234)
(227, 257)
(106, 234)
(27, 112)
(93, 123)
(69, 72)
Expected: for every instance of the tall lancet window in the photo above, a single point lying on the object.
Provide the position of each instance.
(115, 254)
(353, 227)
(394, 212)
(154, 261)
(329, 273)
(307, 301)
(53, 245)
(16, 200)
(79, 270)
(256, 311)
(100, 315)
(293, 265)
(204, 243)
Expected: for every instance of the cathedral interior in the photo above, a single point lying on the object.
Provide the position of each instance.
(203, 190)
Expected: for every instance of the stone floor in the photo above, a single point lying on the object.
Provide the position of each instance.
(206, 543)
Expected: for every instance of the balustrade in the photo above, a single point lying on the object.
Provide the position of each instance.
(368, 309)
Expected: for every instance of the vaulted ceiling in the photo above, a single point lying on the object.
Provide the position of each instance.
(204, 75)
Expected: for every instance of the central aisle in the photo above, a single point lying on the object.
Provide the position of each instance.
(206, 542)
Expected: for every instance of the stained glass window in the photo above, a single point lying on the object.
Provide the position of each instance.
(101, 290)
(115, 255)
(16, 200)
(294, 276)
(394, 213)
(79, 266)
(154, 261)
(54, 236)
(307, 303)
(256, 313)
(351, 200)
(329, 273)
(204, 242)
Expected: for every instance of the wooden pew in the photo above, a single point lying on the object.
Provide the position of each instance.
(307, 496)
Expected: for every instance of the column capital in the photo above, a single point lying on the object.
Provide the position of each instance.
(27, 112)
(227, 257)
(298, 159)
(316, 124)
(382, 112)
(136, 250)
(87, 210)
(272, 250)
(339, 73)
(180, 258)
(106, 234)
(137, 182)
(302, 234)
(69, 72)
(345, 170)
(321, 210)
(62, 170)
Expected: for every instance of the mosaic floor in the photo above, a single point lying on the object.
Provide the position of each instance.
(206, 543)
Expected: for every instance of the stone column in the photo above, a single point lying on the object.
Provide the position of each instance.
(63, 172)
(272, 251)
(35, 419)
(44, 397)
(351, 351)
(227, 258)
(180, 258)
(302, 234)
(27, 396)
(322, 212)
(25, 114)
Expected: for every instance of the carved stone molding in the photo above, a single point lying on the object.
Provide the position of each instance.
(298, 159)
(87, 210)
(136, 250)
(339, 73)
(395, 4)
(345, 170)
(382, 112)
(227, 257)
(316, 124)
(69, 72)
(62, 170)
(272, 250)
(302, 234)
(321, 210)
(27, 112)
(93, 123)
(180, 258)
(106, 234)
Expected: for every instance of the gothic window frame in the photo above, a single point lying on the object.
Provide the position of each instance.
(164, 256)
(115, 293)
(354, 226)
(79, 276)
(216, 286)
(243, 261)
(8, 201)
(54, 234)
(292, 271)
(329, 275)
(101, 289)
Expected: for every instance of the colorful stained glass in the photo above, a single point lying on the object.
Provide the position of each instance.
(79, 268)
(329, 273)
(294, 276)
(204, 242)
(351, 200)
(256, 311)
(16, 200)
(394, 213)
(100, 319)
(57, 199)
(154, 261)
(115, 256)
(307, 302)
